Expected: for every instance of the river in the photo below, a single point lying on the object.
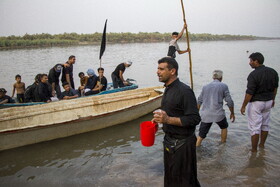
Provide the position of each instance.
(114, 156)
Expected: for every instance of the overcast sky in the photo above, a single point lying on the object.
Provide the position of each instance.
(244, 17)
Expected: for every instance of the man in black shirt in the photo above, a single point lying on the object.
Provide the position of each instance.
(67, 72)
(117, 75)
(261, 91)
(44, 89)
(179, 115)
(53, 78)
(102, 79)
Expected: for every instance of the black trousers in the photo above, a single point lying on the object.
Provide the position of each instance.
(180, 168)
(117, 82)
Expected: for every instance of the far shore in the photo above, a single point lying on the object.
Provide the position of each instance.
(74, 39)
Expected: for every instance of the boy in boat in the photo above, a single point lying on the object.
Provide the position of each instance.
(117, 75)
(69, 93)
(20, 88)
(5, 98)
(102, 79)
(173, 46)
(83, 81)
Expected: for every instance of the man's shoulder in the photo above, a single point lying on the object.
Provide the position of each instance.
(184, 87)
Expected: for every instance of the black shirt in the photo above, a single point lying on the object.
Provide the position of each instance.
(262, 83)
(92, 81)
(53, 76)
(179, 101)
(44, 91)
(103, 82)
(67, 70)
(120, 67)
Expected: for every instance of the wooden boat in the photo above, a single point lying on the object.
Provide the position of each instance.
(131, 87)
(25, 125)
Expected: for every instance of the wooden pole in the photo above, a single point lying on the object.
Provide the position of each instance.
(188, 42)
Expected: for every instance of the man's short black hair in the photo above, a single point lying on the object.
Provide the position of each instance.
(81, 73)
(64, 84)
(38, 78)
(257, 56)
(102, 69)
(70, 57)
(175, 33)
(171, 63)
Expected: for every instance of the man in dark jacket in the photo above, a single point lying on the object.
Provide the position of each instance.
(179, 115)
(44, 89)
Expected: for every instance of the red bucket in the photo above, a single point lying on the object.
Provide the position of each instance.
(147, 133)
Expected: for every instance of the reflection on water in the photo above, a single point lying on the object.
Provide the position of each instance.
(114, 156)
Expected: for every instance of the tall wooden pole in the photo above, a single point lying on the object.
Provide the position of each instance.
(188, 42)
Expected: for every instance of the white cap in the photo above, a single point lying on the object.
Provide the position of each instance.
(128, 62)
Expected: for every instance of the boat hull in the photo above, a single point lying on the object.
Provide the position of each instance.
(39, 133)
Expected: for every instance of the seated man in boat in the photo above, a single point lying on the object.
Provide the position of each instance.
(92, 87)
(83, 81)
(173, 46)
(102, 79)
(44, 89)
(5, 98)
(117, 75)
(31, 92)
(69, 93)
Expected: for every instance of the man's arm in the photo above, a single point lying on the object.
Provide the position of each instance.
(68, 80)
(232, 116)
(53, 89)
(247, 99)
(4, 101)
(184, 51)
(275, 93)
(182, 32)
(121, 75)
(162, 117)
(230, 103)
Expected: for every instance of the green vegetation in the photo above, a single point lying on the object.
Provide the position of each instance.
(69, 39)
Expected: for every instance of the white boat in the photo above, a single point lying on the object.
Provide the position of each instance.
(26, 125)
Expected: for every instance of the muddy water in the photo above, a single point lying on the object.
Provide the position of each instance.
(114, 156)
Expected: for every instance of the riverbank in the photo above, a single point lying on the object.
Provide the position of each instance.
(74, 39)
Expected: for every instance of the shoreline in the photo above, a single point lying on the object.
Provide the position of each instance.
(73, 39)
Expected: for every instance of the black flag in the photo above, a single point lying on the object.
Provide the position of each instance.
(103, 42)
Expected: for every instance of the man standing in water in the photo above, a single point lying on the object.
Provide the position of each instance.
(67, 72)
(262, 85)
(173, 46)
(211, 99)
(179, 116)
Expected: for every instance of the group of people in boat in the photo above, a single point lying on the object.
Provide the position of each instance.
(46, 87)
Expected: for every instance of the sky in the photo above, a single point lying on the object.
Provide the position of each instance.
(236, 17)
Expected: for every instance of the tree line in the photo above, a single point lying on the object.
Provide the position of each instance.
(69, 39)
